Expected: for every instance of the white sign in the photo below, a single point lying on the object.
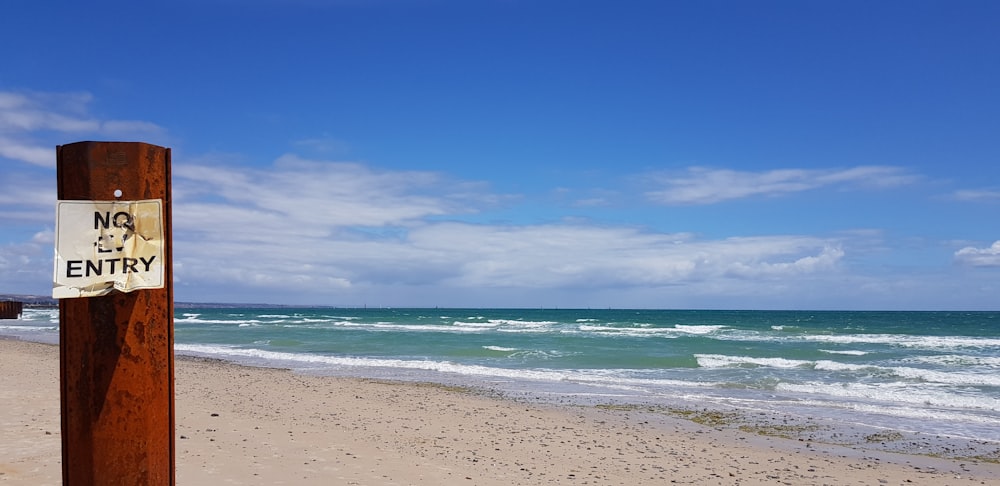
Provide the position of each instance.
(106, 245)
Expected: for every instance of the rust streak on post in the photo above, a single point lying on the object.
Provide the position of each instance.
(116, 351)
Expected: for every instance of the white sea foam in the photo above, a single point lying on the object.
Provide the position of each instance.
(957, 377)
(30, 327)
(645, 330)
(475, 324)
(524, 330)
(949, 378)
(613, 379)
(641, 330)
(34, 320)
(235, 322)
(662, 332)
(991, 362)
(519, 323)
(898, 393)
(697, 329)
(921, 342)
(391, 326)
(426, 328)
(722, 361)
(310, 361)
(844, 352)
(828, 365)
(538, 354)
(505, 323)
(499, 348)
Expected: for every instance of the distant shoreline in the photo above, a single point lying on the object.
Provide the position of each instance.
(44, 301)
(41, 301)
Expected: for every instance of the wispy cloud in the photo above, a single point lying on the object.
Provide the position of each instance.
(26, 198)
(26, 151)
(310, 225)
(32, 123)
(304, 193)
(568, 255)
(977, 195)
(979, 257)
(324, 144)
(700, 185)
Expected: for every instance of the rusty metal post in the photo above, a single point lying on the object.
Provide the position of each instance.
(11, 309)
(116, 350)
(6, 310)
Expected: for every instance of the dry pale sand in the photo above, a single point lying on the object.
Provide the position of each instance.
(249, 426)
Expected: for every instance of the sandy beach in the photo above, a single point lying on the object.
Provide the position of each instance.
(251, 426)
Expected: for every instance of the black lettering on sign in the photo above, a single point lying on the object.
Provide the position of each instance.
(100, 245)
(121, 219)
(73, 266)
(96, 268)
(87, 268)
(100, 222)
(128, 264)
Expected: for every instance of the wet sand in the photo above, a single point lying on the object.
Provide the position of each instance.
(253, 426)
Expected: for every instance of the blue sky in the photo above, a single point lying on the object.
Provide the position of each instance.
(655, 154)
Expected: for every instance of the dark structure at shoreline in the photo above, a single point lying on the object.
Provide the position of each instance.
(10, 309)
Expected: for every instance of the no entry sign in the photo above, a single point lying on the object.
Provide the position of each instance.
(107, 245)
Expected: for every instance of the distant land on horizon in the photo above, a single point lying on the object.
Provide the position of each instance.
(47, 301)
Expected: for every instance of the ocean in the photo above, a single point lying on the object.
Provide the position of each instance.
(896, 375)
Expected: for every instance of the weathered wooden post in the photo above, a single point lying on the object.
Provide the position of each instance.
(113, 274)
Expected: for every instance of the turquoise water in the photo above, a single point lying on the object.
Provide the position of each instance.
(930, 372)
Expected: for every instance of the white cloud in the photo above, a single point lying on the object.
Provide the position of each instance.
(316, 226)
(33, 123)
(604, 257)
(977, 195)
(32, 153)
(699, 185)
(980, 257)
(126, 127)
(304, 196)
(45, 237)
(27, 196)
(25, 265)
